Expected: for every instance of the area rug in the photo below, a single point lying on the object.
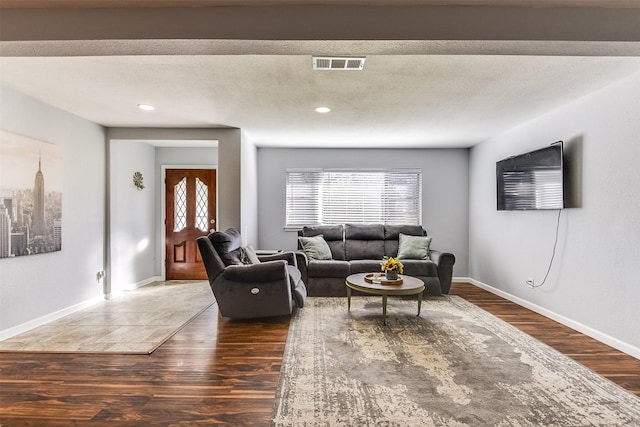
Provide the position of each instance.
(137, 322)
(455, 365)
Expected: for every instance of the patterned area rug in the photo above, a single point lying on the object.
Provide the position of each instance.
(455, 365)
(137, 322)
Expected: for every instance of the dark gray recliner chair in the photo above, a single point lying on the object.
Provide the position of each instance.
(244, 290)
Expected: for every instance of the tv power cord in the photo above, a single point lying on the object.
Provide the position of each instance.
(530, 282)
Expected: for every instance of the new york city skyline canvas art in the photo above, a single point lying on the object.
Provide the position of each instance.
(30, 196)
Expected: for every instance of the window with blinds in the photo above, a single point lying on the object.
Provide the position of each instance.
(322, 196)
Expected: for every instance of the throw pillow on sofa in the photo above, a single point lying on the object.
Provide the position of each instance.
(249, 256)
(241, 256)
(413, 247)
(315, 247)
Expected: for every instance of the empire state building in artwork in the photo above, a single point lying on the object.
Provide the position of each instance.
(30, 214)
(38, 226)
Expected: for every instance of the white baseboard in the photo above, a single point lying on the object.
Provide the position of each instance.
(115, 293)
(27, 326)
(587, 330)
(142, 283)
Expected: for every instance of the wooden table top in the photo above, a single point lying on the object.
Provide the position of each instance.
(410, 285)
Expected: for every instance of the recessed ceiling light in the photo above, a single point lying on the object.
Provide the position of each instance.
(146, 107)
(322, 109)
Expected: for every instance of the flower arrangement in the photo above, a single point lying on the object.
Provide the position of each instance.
(391, 264)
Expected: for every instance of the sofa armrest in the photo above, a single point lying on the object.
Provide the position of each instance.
(287, 256)
(263, 272)
(445, 262)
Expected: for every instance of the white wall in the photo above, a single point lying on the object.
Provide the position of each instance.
(35, 286)
(445, 192)
(228, 153)
(190, 156)
(594, 279)
(249, 191)
(132, 215)
(230, 180)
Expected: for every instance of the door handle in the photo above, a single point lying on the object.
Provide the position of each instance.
(213, 221)
(212, 230)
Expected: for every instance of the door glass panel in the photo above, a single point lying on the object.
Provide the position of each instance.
(202, 205)
(180, 205)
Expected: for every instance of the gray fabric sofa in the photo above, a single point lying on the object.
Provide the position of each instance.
(246, 287)
(359, 248)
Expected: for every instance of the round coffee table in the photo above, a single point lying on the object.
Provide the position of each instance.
(410, 286)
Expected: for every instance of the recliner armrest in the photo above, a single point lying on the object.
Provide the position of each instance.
(287, 256)
(264, 272)
(445, 262)
(303, 261)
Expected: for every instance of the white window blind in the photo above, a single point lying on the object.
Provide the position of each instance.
(316, 196)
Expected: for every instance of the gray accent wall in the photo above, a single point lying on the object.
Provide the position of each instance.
(39, 285)
(445, 191)
(593, 282)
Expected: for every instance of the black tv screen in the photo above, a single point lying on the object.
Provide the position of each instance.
(532, 180)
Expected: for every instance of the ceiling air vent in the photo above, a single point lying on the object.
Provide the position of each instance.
(337, 63)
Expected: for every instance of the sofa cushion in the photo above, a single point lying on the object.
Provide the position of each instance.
(333, 235)
(391, 248)
(364, 249)
(315, 247)
(327, 287)
(331, 268)
(419, 267)
(365, 266)
(330, 232)
(337, 249)
(364, 241)
(364, 232)
(413, 247)
(228, 245)
(393, 231)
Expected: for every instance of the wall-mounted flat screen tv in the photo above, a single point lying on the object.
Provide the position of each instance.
(532, 180)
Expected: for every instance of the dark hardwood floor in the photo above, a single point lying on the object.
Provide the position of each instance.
(615, 365)
(216, 371)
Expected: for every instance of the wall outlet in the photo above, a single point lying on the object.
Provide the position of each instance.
(530, 282)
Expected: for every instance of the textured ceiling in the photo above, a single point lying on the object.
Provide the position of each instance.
(397, 100)
(433, 77)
